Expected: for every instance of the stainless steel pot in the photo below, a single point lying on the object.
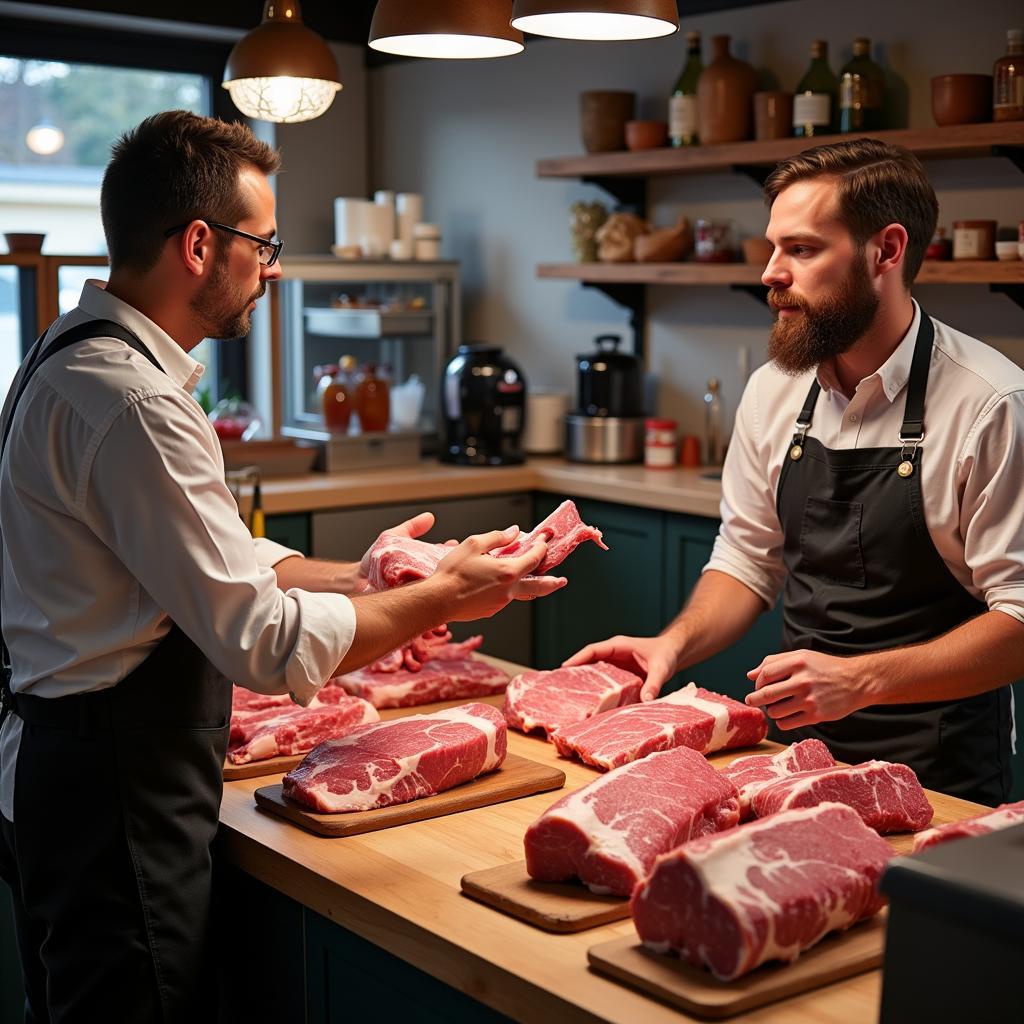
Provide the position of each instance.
(604, 438)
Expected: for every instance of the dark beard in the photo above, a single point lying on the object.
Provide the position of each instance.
(208, 305)
(825, 330)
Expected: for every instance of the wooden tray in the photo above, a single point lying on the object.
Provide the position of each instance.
(269, 766)
(553, 906)
(674, 981)
(517, 777)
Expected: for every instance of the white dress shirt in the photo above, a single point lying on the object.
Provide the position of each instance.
(116, 521)
(971, 473)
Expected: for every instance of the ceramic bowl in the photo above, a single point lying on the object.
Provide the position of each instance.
(1007, 250)
(24, 241)
(646, 134)
(961, 99)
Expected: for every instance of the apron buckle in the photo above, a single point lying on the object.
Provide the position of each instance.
(908, 453)
(796, 449)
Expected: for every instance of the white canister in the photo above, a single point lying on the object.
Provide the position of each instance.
(378, 227)
(386, 200)
(544, 433)
(349, 220)
(400, 249)
(427, 241)
(409, 210)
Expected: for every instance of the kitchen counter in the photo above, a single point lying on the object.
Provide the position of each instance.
(671, 490)
(399, 888)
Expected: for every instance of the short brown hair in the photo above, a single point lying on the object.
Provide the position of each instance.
(170, 169)
(878, 184)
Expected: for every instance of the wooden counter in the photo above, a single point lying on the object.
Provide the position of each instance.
(399, 888)
(671, 490)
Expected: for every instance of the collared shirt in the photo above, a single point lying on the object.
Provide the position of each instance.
(972, 461)
(116, 521)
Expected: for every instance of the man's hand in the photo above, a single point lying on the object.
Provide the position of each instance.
(476, 584)
(415, 527)
(801, 688)
(655, 657)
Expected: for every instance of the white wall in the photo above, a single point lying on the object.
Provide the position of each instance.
(468, 134)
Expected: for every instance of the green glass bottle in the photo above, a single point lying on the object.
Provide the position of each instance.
(861, 91)
(815, 107)
(682, 106)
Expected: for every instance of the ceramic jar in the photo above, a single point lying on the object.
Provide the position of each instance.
(603, 117)
(725, 93)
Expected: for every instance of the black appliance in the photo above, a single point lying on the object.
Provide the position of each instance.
(483, 398)
(609, 382)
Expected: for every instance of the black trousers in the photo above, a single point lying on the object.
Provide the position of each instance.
(116, 803)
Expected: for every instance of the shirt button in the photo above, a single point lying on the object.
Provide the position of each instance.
(853, 417)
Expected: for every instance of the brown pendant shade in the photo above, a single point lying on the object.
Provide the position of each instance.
(596, 19)
(282, 70)
(451, 29)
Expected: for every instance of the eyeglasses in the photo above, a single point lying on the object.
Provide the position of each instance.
(267, 253)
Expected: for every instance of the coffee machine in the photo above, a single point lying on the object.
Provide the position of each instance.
(483, 396)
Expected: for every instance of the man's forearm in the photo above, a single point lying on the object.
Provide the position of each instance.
(720, 610)
(980, 655)
(319, 577)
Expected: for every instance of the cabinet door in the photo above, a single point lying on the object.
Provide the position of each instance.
(609, 592)
(688, 544)
(347, 533)
(290, 530)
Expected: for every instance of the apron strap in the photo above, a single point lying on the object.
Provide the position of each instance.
(913, 411)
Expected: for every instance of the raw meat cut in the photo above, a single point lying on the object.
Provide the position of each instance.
(414, 654)
(752, 773)
(397, 560)
(609, 833)
(1002, 817)
(764, 891)
(887, 796)
(442, 678)
(401, 760)
(256, 735)
(564, 696)
(691, 717)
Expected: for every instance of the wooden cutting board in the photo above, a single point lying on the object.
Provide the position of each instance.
(696, 991)
(553, 906)
(270, 766)
(517, 777)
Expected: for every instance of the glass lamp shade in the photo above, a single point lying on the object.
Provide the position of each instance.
(281, 71)
(44, 138)
(596, 19)
(451, 29)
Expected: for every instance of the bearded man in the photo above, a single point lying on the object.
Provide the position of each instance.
(873, 480)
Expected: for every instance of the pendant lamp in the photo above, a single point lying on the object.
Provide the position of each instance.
(596, 19)
(44, 138)
(282, 71)
(453, 29)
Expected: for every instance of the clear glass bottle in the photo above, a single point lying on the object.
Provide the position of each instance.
(815, 102)
(861, 91)
(682, 105)
(1008, 80)
(713, 424)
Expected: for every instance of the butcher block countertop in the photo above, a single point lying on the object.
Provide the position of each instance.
(399, 888)
(672, 490)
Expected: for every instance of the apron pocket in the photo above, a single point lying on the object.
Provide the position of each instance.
(830, 541)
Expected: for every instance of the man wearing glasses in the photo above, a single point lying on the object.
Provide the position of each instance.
(132, 593)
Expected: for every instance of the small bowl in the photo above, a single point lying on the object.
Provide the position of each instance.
(961, 99)
(757, 251)
(23, 241)
(1008, 250)
(646, 134)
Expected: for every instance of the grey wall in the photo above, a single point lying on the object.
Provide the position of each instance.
(468, 133)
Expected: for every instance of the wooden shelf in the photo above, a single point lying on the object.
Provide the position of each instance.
(969, 140)
(985, 272)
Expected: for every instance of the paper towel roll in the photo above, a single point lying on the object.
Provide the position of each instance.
(409, 206)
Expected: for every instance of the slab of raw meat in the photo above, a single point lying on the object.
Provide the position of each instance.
(398, 560)
(764, 891)
(609, 833)
(401, 760)
(752, 773)
(1002, 817)
(691, 717)
(444, 678)
(414, 654)
(887, 796)
(285, 731)
(563, 696)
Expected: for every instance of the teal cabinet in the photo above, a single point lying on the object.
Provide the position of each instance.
(293, 531)
(609, 592)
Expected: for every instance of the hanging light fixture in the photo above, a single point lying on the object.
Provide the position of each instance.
(596, 19)
(44, 138)
(281, 70)
(454, 29)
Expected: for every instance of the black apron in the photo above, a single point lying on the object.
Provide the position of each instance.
(864, 575)
(116, 803)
